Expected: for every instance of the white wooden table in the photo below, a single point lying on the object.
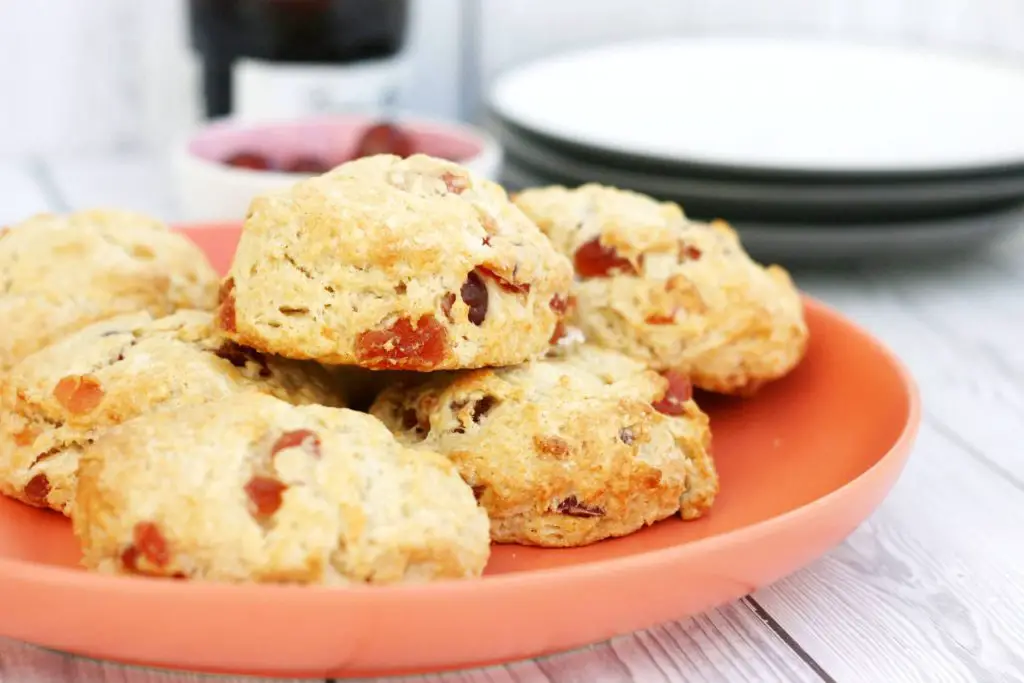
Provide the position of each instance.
(930, 589)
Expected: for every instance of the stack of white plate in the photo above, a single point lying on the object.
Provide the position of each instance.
(811, 149)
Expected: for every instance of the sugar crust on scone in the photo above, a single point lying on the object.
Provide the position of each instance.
(253, 489)
(563, 451)
(390, 263)
(676, 293)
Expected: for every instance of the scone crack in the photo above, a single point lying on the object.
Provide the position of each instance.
(472, 410)
(240, 356)
(290, 260)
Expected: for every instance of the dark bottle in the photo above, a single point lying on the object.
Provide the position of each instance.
(286, 57)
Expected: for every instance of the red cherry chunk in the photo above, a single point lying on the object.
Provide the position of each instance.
(404, 345)
(265, 494)
(660, 319)
(688, 252)
(151, 544)
(679, 391)
(299, 437)
(560, 304)
(593, 259)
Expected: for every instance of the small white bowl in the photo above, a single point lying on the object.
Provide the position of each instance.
(211, 190)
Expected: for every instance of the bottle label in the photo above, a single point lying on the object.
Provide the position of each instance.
(264, 89)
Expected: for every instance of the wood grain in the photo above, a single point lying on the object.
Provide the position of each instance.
(729, 644)
(932, 587)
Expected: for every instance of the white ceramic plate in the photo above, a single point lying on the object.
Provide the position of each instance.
(772, 105)
(805, 242)
(927, 195)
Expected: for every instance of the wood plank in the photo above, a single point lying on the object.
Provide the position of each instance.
(727, 644)
(21, 195)
(20, 663)
(960, 341)
(932, 586)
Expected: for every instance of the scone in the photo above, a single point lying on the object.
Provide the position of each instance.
(390, 263)
(251, 488)
(60, 273)
(567, 450)
(678, 294)
(61, 398)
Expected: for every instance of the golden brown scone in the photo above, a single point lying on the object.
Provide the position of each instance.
(678, 294)
(63, 397)
(563, 451)
(251, 488)
(390, 263)
(60, 273)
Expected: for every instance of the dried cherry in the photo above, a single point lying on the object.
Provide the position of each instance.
(402, 345)
(593, 259)
(151, 544)
(79, 394)
(37, 489)
(474, 294)
(304, 438)
(688, 252)
(266, 494)
(679, 391)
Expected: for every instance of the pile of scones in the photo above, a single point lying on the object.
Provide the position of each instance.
(402, 365)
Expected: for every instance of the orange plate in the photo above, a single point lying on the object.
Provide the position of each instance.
(802, 464)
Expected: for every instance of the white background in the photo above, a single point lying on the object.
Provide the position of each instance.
(102, 76)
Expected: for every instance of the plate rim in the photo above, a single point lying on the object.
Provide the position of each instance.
(711, 166)
(529, 148)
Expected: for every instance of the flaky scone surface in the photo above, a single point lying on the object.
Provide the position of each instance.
(562, 451)
(676, 293)
(61, 398)
(59, 273)
(251, 488)
(392, 263)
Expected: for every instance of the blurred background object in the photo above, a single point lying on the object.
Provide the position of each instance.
(119, 77)
(110, 75)
(280, 58)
